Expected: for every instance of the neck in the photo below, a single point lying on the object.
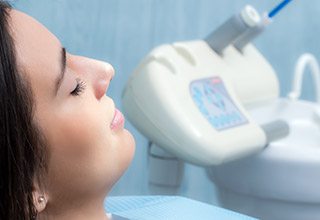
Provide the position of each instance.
(93, 210)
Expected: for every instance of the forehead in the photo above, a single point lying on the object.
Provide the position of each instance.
(30, 36)
(37, 50)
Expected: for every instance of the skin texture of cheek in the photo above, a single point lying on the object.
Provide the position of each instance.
(86, 156)
(76, 149)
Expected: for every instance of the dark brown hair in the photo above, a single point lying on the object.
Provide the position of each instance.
(21, 152)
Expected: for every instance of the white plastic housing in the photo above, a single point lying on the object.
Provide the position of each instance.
(157, 100)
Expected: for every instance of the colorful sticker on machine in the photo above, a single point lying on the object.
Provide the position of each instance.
(215, 104)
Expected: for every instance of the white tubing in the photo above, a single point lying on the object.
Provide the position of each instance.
(305, 60)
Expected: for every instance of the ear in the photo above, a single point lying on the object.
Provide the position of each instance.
(40, 199)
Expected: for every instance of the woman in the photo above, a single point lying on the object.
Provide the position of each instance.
(63, 145)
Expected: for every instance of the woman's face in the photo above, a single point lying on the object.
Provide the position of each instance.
(88, 147)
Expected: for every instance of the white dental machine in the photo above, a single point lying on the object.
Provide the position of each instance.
(190, 98)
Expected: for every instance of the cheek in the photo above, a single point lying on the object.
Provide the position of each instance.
(80, 137)
(79, 144)
(77, 133)
(85, 152)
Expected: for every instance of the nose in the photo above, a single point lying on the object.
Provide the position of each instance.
(101, 78)
(97, 73)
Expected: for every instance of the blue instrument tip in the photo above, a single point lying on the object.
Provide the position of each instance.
(278, 8)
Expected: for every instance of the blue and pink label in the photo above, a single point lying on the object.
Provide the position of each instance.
(215, 104)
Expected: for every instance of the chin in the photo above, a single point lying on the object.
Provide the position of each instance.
(129, 147)
(122, 162)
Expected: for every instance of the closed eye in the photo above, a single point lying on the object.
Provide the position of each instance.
(80, 87)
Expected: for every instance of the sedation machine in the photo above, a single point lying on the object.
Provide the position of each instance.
(215, 103)
(189, 98)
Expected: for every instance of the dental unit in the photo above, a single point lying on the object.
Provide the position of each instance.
(190, 97)
(215, 103)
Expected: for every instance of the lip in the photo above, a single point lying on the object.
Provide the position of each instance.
(117, 121)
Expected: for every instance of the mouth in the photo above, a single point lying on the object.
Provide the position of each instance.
(117, 121)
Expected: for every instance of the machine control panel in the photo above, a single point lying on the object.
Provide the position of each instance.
(213, 101)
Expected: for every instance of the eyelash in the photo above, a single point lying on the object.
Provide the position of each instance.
(80, 87)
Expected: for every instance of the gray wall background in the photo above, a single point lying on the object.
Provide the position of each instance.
(123, 31)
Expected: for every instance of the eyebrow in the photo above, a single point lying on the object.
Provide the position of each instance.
(63, 60)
